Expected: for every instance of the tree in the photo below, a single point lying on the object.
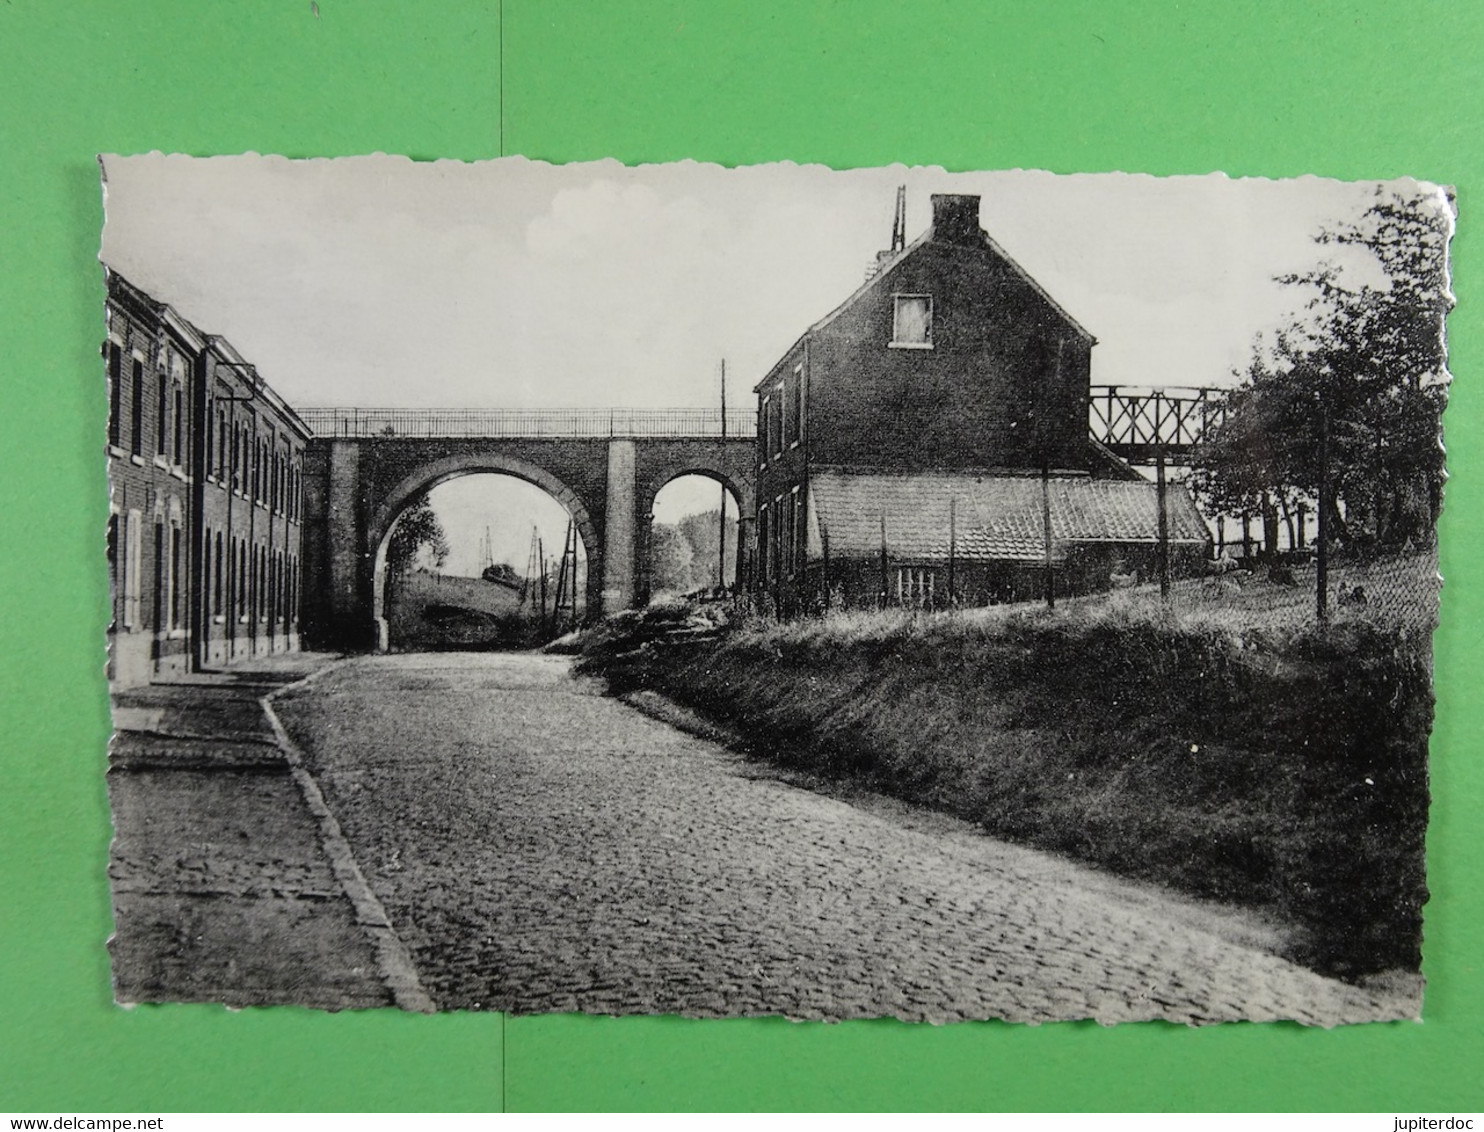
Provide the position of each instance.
(417, 539)
(1365, 355)
(702, 532)
(683, 555)
(671, 559)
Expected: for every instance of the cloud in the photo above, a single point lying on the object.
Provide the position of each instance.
(515, 283)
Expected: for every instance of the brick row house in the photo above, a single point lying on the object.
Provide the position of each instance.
(205, 468)
(915, 444)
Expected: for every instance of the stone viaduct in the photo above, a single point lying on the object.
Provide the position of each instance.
(363, 468)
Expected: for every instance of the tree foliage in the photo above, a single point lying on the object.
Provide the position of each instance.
(1365, 356)
(683, 555)
(417, 540)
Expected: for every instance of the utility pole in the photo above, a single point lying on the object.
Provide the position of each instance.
(572, 574)
(561, 590)
(541, 553)
(721, 541)
(1321, 559)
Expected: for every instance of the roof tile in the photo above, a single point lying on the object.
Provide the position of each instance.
(996, 517)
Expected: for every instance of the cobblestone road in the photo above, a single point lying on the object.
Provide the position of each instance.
(540, 847)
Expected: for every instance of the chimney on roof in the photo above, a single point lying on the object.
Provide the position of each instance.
(956, 219)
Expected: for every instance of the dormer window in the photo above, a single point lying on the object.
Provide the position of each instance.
(912, 322)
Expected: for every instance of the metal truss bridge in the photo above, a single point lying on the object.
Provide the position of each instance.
(1145, 424)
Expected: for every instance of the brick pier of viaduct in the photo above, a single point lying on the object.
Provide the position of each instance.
(356, 487)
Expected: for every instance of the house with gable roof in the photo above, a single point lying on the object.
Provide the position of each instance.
(918, 444)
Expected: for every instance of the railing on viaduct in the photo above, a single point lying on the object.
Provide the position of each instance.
(1137, 423)
(740, 424)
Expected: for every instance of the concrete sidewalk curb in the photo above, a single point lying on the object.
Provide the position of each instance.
(395, 963)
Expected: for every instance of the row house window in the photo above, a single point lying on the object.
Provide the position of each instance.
(177, 570)
(792, 522)
(170, 421)
(169, 568)
(244, 580)
(169, 406)
(115, 394)
(113, 569)
(241, 579)
(781, 537)
(771, 434)
(162, 413)
(782, 413)
(241, 458)
(216, 579)
(124, 563)
(283, 483)
(912, 322)
(178, 426)
(132, 567)
(795, 423)
(222, 442)
(206, 549)
(268, 592)
(136, 417)
(764, 543)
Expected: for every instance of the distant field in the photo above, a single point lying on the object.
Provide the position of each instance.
(439, 611)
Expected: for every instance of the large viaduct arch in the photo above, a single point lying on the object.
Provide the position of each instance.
(364, 467)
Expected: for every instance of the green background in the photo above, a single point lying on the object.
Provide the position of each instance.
(1355, 90)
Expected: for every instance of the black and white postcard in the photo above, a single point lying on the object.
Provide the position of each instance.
(771, 591)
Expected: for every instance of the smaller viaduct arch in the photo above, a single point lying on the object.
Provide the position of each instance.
(364, 467)
(661, 465)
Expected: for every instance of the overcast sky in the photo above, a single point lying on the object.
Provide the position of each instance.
(386, 282)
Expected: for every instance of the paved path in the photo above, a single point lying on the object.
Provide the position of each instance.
(222, 890)
(540, 847)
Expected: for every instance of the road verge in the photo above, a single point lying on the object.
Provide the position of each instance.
(392, 958)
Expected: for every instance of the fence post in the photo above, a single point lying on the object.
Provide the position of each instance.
(824, 539)
(1164, 520)
(885, 584)
(952, 544)
(1046, 532)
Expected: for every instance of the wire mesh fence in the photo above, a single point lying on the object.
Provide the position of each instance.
(1396, 591)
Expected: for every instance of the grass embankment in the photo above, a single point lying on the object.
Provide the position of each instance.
(444, 611)
(1282, 769)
